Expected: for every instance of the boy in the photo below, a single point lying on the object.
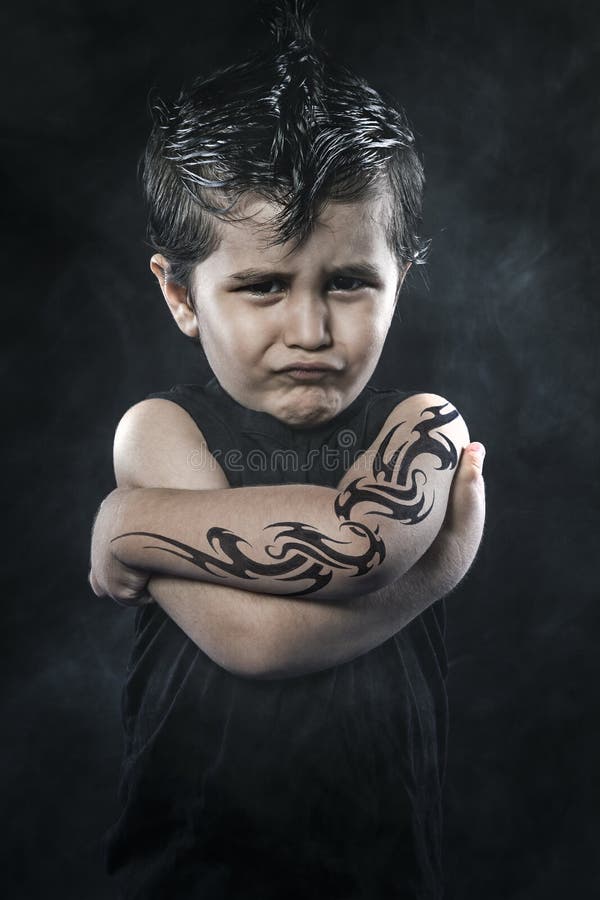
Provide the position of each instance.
(284, 195)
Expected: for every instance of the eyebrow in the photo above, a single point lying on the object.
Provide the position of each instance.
(356, 270)
(257, 274)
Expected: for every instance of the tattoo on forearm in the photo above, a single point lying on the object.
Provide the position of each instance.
(394, 488)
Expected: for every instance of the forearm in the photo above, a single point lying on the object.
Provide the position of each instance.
(257, 635)
(251, 538)
(295, 540)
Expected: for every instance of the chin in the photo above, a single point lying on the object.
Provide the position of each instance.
(308, 406)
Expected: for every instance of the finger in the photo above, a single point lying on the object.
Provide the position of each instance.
(470, 470)
(467, 491)
(131, 600)
(476, 453)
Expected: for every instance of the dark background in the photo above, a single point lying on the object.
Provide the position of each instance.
(503, 101)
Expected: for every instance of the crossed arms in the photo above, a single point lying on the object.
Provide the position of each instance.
(226, 562)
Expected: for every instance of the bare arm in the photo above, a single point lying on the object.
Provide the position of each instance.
(256, 634)
(331, 543)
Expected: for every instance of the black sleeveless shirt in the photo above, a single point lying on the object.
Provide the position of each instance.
(326, 785)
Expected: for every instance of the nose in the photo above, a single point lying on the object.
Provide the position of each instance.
(306, 320)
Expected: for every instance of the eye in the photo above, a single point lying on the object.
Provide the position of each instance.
(347, 283)
(261, 289)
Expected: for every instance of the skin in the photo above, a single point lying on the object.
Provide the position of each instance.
(300, 539)
(259, 635)
(300, 304)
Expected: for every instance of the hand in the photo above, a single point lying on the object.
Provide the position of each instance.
(456, 545)
(108, 575)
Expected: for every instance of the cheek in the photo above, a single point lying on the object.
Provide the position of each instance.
(383, 315)
(238, 333)
(364, 326)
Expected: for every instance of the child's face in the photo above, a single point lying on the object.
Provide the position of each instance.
(330, 302)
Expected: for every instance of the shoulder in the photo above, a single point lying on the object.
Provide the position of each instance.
(157, 443)
(158, 418)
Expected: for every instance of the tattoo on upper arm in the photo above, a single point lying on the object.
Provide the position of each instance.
(395, 487)
(405, 503)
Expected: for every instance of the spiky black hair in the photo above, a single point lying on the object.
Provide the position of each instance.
(290, 125)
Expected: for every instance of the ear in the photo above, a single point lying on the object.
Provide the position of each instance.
(176, 296)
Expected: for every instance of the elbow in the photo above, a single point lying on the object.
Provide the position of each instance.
(257, 669)
(247, 657)
(265, 668)
(261, 662)
(246, 665)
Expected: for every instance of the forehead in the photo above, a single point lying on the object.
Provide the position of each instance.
(343, 232)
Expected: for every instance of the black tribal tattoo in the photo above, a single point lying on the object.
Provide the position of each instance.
(405, 503)
(396, 492)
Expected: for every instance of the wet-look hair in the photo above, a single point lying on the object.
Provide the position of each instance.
(289, 124)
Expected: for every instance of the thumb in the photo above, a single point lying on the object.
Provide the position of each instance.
(470, 470)
(475, 454)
